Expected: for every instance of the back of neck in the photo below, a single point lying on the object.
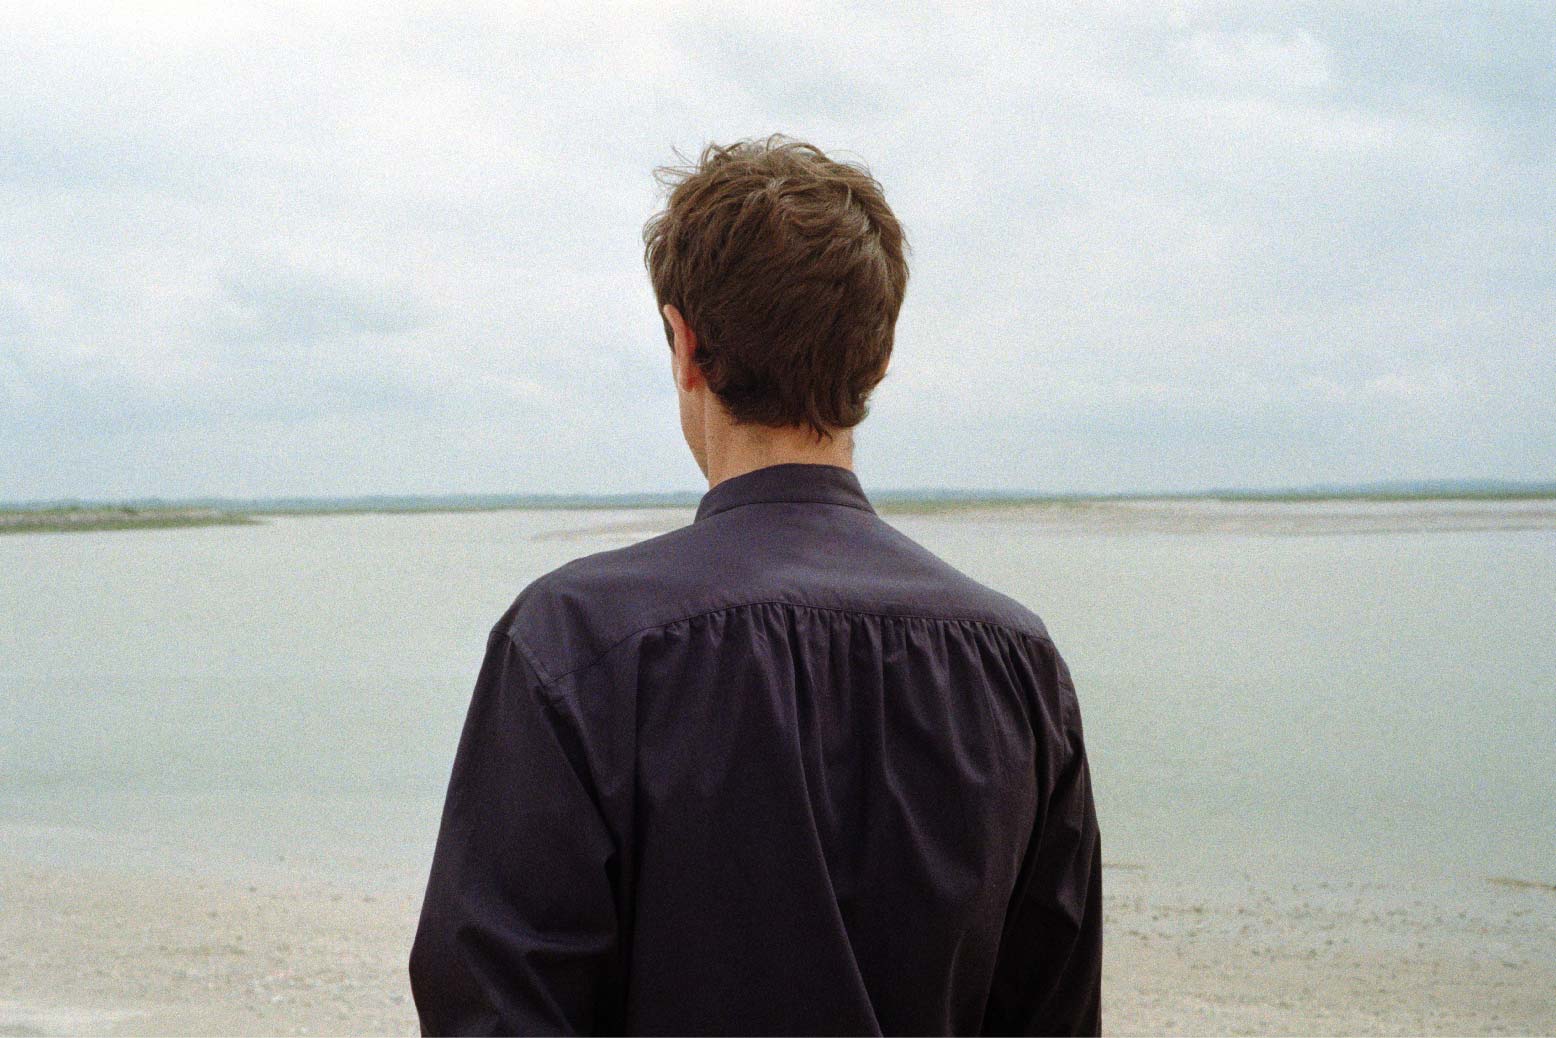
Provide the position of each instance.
(734, 450)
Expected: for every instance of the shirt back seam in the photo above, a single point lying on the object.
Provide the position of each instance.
(1043, 640)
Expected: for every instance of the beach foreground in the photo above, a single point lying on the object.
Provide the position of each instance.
(164, 952)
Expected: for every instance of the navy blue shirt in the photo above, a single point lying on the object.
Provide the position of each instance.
(780, 771)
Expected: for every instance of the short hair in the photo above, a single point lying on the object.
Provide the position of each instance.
(790, 268)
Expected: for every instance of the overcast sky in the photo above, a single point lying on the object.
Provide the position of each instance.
(325, 250)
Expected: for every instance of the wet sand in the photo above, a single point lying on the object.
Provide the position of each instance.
(103, 952)
(1192, 517)
(1275, 518)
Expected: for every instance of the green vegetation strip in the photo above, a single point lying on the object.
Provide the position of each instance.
(83, 520)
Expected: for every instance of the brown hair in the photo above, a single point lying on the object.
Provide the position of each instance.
(790, 269)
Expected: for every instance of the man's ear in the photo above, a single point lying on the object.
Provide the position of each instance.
(683, 350)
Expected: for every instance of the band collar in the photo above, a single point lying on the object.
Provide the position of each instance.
(791, 482)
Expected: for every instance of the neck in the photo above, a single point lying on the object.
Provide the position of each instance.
(734, 450)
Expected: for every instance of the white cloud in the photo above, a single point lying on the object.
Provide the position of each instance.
(1261, 61)
(326, 249)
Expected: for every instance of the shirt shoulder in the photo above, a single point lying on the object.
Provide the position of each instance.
(577, 612)
(952, 594)
(841, 560)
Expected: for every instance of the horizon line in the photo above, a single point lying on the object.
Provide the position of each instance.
(1401, 488)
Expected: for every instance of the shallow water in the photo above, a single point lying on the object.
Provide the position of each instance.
(1368, 705)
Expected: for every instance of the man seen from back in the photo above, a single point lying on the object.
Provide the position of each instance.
(781, 770)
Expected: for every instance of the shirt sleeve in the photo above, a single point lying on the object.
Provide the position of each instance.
(518, 928)
(1048, 975)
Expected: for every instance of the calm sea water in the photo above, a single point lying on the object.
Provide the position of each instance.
(290, 694)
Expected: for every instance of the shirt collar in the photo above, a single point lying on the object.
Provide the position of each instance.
(790, 482)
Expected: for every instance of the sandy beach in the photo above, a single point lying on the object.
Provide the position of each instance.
(105, 952)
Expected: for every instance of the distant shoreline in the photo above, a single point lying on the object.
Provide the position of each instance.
(94, 517)
(90, 520)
